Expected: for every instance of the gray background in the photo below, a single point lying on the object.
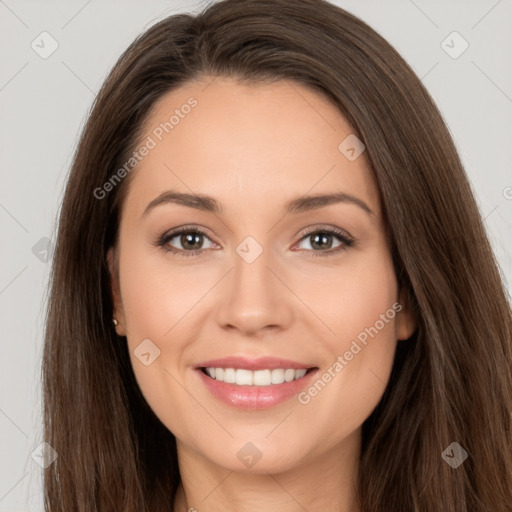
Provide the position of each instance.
(44, 103)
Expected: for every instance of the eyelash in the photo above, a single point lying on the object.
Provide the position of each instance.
(162, 241)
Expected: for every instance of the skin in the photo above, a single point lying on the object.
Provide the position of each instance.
(253, 148)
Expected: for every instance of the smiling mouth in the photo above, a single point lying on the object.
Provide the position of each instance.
(244, 377)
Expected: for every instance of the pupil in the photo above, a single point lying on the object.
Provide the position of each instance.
(322, 237)
(185, 239)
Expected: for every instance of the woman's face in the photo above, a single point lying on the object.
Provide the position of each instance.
(310, 287)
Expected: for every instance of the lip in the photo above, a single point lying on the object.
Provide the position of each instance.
(255, 397)
(261, 363)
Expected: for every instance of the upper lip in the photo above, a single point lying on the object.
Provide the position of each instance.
(261, 363)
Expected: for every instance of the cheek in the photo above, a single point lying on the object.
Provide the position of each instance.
(361, 351)
(352, 297)
(367, 294)
(158, 303)
(366, 329)
(157, 294)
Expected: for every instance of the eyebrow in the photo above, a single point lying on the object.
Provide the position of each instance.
(300, 205)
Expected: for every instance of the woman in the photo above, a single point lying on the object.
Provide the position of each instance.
(255, 369)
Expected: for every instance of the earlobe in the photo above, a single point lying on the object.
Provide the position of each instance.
(406, 322)
(117, 314)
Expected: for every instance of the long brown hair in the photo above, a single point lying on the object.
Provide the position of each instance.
(451, 381)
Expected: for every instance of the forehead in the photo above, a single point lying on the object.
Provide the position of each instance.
(249, 144)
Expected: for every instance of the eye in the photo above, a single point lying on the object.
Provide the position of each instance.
(320, 241)
(190, 239)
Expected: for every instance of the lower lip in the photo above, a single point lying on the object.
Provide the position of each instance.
(255, 397)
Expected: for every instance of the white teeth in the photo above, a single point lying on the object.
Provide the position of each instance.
(229, 376)
(262, 378)
(242, 377)
(277, 376)
(289, 375)
(300, 373)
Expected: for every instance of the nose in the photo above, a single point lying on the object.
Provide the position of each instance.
(255, 298)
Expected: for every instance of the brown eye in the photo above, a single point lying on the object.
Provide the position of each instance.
(184, 241)
(323, 241)
(191, 240)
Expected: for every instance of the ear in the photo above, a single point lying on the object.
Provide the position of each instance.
(406, 322)
(118, 312)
